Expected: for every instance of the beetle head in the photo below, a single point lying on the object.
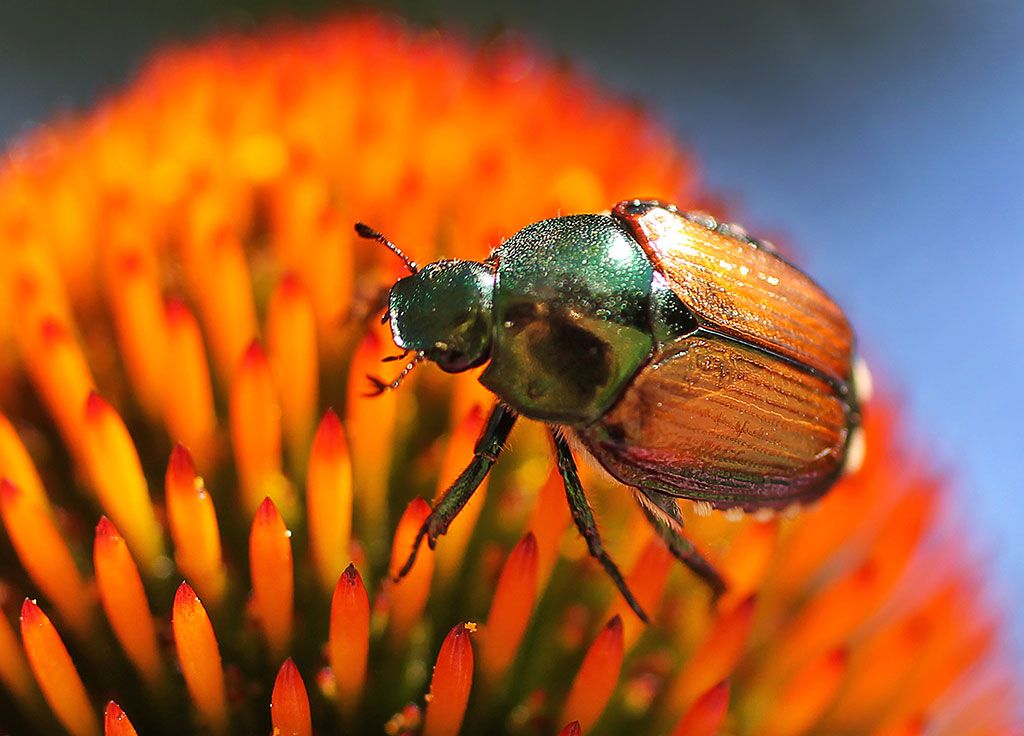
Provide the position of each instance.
(444, 312)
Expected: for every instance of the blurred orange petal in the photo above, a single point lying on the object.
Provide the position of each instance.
(120, 483)
(223, 289)
(329, 499)
(115, 722)
(256, 432)
(514, 596)
(271, 569)
(805, 696)
(450, 684)
(549, 520)
(199, 657)
(409, 595)
(194, 528)
(46, 557)
(748, 561)
(371, 426)
(349, 638)
(292, 347)
(646, 580)
(705, 716)
(133, 288)
(188, 402)
(62, 378)
(14, 670)
(716, 656)
(597, 677)
(16, 465)
(56, 673)
(124, 601)
(289, 704)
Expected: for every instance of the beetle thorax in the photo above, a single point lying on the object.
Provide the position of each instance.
(571, 318)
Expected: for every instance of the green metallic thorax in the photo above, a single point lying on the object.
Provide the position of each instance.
(572, 319)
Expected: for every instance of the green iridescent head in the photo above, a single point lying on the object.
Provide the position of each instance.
(444, 311)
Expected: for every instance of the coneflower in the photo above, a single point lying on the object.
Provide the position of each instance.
(204, 509)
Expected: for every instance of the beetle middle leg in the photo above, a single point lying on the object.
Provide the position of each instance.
(485, 454)
(663, 514)
(583, 515)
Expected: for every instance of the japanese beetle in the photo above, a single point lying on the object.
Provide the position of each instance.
(689, 359)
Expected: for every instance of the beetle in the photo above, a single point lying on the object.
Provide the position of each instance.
(689, 359)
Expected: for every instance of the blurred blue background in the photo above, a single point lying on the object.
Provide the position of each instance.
(883, 140)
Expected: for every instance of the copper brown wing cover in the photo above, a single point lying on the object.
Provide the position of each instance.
(753, 410)
(722, 421)
(742, 289)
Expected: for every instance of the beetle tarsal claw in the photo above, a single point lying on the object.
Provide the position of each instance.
(435, 529)
(411, 560)
(379, 386)
(404, 570)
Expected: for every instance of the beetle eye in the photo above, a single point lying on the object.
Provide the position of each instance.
(451, 361)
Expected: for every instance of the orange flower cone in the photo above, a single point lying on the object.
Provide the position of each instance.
(187, 320)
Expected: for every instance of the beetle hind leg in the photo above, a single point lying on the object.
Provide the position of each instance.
(583, 516)
(663, 514)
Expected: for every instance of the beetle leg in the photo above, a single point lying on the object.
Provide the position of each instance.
(485, 454)
(584, 518)
(393, 358)
(663, 513)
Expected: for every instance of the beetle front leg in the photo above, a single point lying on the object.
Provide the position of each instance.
(583, 515)
(663, 513)
(485, 454)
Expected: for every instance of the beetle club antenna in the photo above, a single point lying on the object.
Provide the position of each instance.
(380, 386)
(365, 231)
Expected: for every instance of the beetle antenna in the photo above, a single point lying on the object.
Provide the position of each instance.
(380, 386)
(365, 231)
